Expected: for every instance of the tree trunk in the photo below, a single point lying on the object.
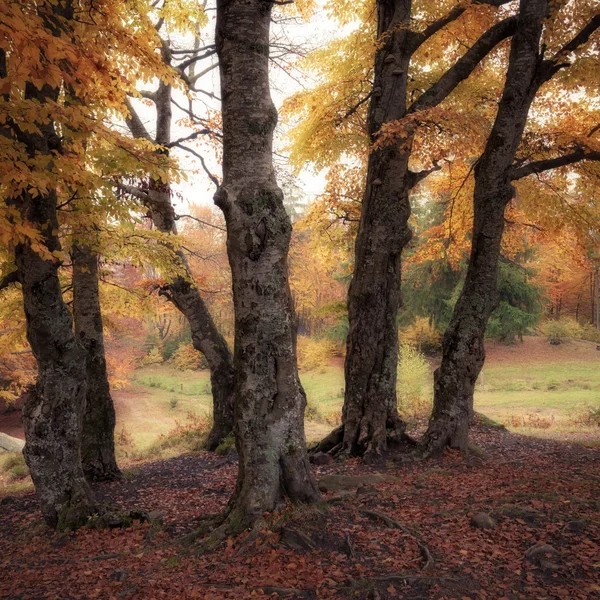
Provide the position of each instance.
(269, 399)
(182, 292)
(463, 346)
(53, 412)
(370, 414)
(98, 441)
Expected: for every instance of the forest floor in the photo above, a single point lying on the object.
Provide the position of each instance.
(535, 490)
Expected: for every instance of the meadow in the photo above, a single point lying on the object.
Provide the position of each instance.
(532, 388)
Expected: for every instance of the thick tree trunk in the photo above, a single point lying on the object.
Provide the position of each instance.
(98, 441)
(370, 414)
(463, 346)
(53, 412)
(269, 399)
(182, 292)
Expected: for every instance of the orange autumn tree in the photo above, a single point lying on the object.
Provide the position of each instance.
(62, 72)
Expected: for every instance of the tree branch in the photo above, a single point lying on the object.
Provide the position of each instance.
(137, 128)
(417, 39)
(557, 62)
(12, 277)
(212, 177)
(418, 176)
(538, 166)
(190, 137)
(465, 65)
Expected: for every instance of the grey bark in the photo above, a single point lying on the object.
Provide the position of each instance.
(370, 418)
(182, 292)
(97, 442)
(269, 398)
(53, 412)
(463, 344)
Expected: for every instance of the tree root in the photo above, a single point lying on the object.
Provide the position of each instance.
(425, 552)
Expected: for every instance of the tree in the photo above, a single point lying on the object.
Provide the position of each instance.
(156, 195)
(47, 51)
(97, 436)
(269, 398)
(370, 415)
(463, 346)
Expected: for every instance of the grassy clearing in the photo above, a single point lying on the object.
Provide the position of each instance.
(533, 388)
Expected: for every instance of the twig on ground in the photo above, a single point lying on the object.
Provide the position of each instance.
(425, 553)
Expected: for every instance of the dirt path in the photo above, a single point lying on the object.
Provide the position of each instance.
(535, 490)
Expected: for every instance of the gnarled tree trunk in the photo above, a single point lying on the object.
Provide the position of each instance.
(463, 345)
(53, 412)
(269, 399)
(97, 441)
(370, 414)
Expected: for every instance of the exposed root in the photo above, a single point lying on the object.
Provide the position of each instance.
(425, 553)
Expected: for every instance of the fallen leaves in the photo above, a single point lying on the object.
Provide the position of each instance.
(543, 493)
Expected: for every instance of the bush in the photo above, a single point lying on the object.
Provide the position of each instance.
(186, 357)
(173, 402)
(314, 353)
(154, 357)
(590, 417)
(187, 436)
(531, 421)
(563, 330)
(413, 381)
(10, 460)
(590, 333)
(423, 336)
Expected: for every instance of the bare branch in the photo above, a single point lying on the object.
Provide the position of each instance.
(137, 128)
(190, 137)
(538, 166)
(177, 217)
(212, 177)
(465, 65)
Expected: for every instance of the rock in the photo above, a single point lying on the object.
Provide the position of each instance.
(575, 526)
(541, 553)
(337, 483)
(11, 444)
(156, 515)
(321, 458)
(483, 521)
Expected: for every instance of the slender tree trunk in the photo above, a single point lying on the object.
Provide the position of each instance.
(182, 292)
(269, 399)
(98, 441)
(463, 346)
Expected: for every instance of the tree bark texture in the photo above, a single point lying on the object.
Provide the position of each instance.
(370, 414)
(97, 441)
(269, 399)
(182, 292)
(53, 412)
(370, 417)
(463, 344)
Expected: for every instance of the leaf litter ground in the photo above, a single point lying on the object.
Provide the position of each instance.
(408, 535)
